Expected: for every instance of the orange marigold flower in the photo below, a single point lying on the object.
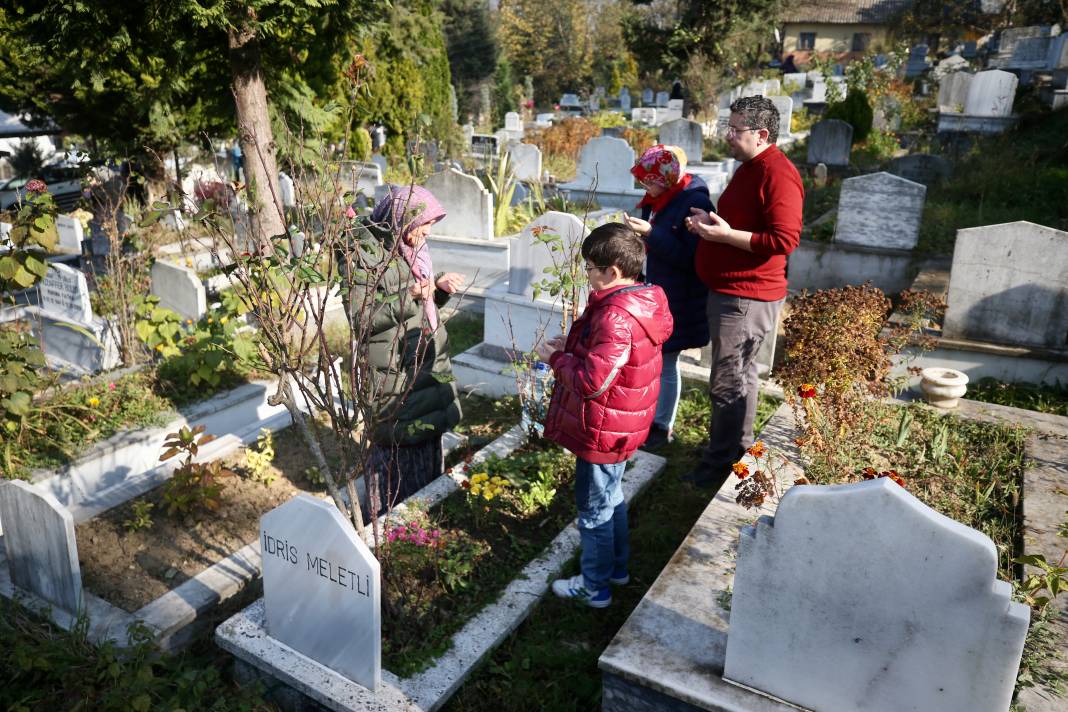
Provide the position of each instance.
(758, 449)
(740, 469)
(806, 390)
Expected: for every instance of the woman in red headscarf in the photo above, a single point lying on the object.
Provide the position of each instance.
(670, 192)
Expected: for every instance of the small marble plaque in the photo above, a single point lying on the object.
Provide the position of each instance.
(65, 294)
(860, 598)
(322, 588)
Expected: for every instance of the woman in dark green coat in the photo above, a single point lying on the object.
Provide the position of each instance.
(416, 400)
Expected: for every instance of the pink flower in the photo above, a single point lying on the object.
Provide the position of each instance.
(111, 386)
(350, 213)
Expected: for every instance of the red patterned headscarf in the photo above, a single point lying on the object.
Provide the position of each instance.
(664, 166)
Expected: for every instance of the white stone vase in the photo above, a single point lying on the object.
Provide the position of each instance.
(943, 386)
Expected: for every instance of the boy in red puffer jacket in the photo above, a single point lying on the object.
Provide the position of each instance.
(607, 385)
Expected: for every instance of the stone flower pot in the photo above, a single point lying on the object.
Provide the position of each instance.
(943, 386)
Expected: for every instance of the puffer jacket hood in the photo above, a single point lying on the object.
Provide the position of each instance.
(608, 375)
(645, 303)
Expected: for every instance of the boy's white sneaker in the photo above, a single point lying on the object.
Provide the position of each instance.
(575, 589)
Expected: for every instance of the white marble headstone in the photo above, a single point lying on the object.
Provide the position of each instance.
(953, 91)
(179, 289)
(605, 162)
(860, 598)
(70, 233)
(287, 191)
(513, 122)
(785, 105)
(322, 588)
(991, 93)
(880, 210)
(528, 258)
(39, 543)
(643, 115)
(686, 135)
(830, 142)
(65, 294)
(468, 205)
(1008, 285)
(526, 161)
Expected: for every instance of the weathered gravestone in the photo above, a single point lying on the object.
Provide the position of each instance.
(686, 135)
(70, 234)
(662, 98)
(179, 289)
(880, 210)
(526, 161)
(624, 100)
(468, 206)
(65, 294)
(953, 91)
(830, 142)
(860, 598)
(39, 543)
(991, 93)
(647, 96)
(917, 62)
(922, 168)
(1008, 286)
(785, 105)
(322, 588)
(529, 257)
(604, 165)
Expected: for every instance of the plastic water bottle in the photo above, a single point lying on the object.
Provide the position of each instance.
(537, 392)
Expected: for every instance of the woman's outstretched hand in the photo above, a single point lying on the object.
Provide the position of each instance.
(642, 227)
(451, 282)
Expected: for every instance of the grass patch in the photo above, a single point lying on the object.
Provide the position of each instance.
(465, 331)
(1019, 175)
(1029, 396)
(550, 662)
(45, 668)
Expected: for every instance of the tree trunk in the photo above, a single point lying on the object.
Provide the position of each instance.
(254, 131)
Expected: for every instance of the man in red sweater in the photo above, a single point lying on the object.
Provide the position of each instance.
(742, 260)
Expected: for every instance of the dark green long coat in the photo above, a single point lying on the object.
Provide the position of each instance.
(417, 396)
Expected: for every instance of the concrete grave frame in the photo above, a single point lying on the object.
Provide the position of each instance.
(262, 658)
(86, 490)
(669, 655)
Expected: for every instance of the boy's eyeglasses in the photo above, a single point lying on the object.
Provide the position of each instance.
(590, 268)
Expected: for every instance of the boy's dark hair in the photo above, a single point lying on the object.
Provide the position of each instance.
(615, 245)
(758, 112)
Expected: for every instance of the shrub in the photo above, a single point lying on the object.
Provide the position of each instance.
(361, 144)
(565, 138)
(855, 110)
(193, 485)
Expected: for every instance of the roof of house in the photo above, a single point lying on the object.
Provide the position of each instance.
(845, 12)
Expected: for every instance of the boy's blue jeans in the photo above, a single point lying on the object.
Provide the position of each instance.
(602, 521)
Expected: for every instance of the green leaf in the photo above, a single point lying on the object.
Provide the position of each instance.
(18, 403)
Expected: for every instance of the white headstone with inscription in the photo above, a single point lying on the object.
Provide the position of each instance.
(604, 165)
(880, 210)
(65, 294)
(526, 161)
(529, 256)
(468, 205)
(322, 588)
(860, 598)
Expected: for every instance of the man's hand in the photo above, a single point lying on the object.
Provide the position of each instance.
(708, 226)
(642, 227)
(451, 282)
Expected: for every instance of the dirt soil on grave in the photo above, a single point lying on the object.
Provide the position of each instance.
(132, 568)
